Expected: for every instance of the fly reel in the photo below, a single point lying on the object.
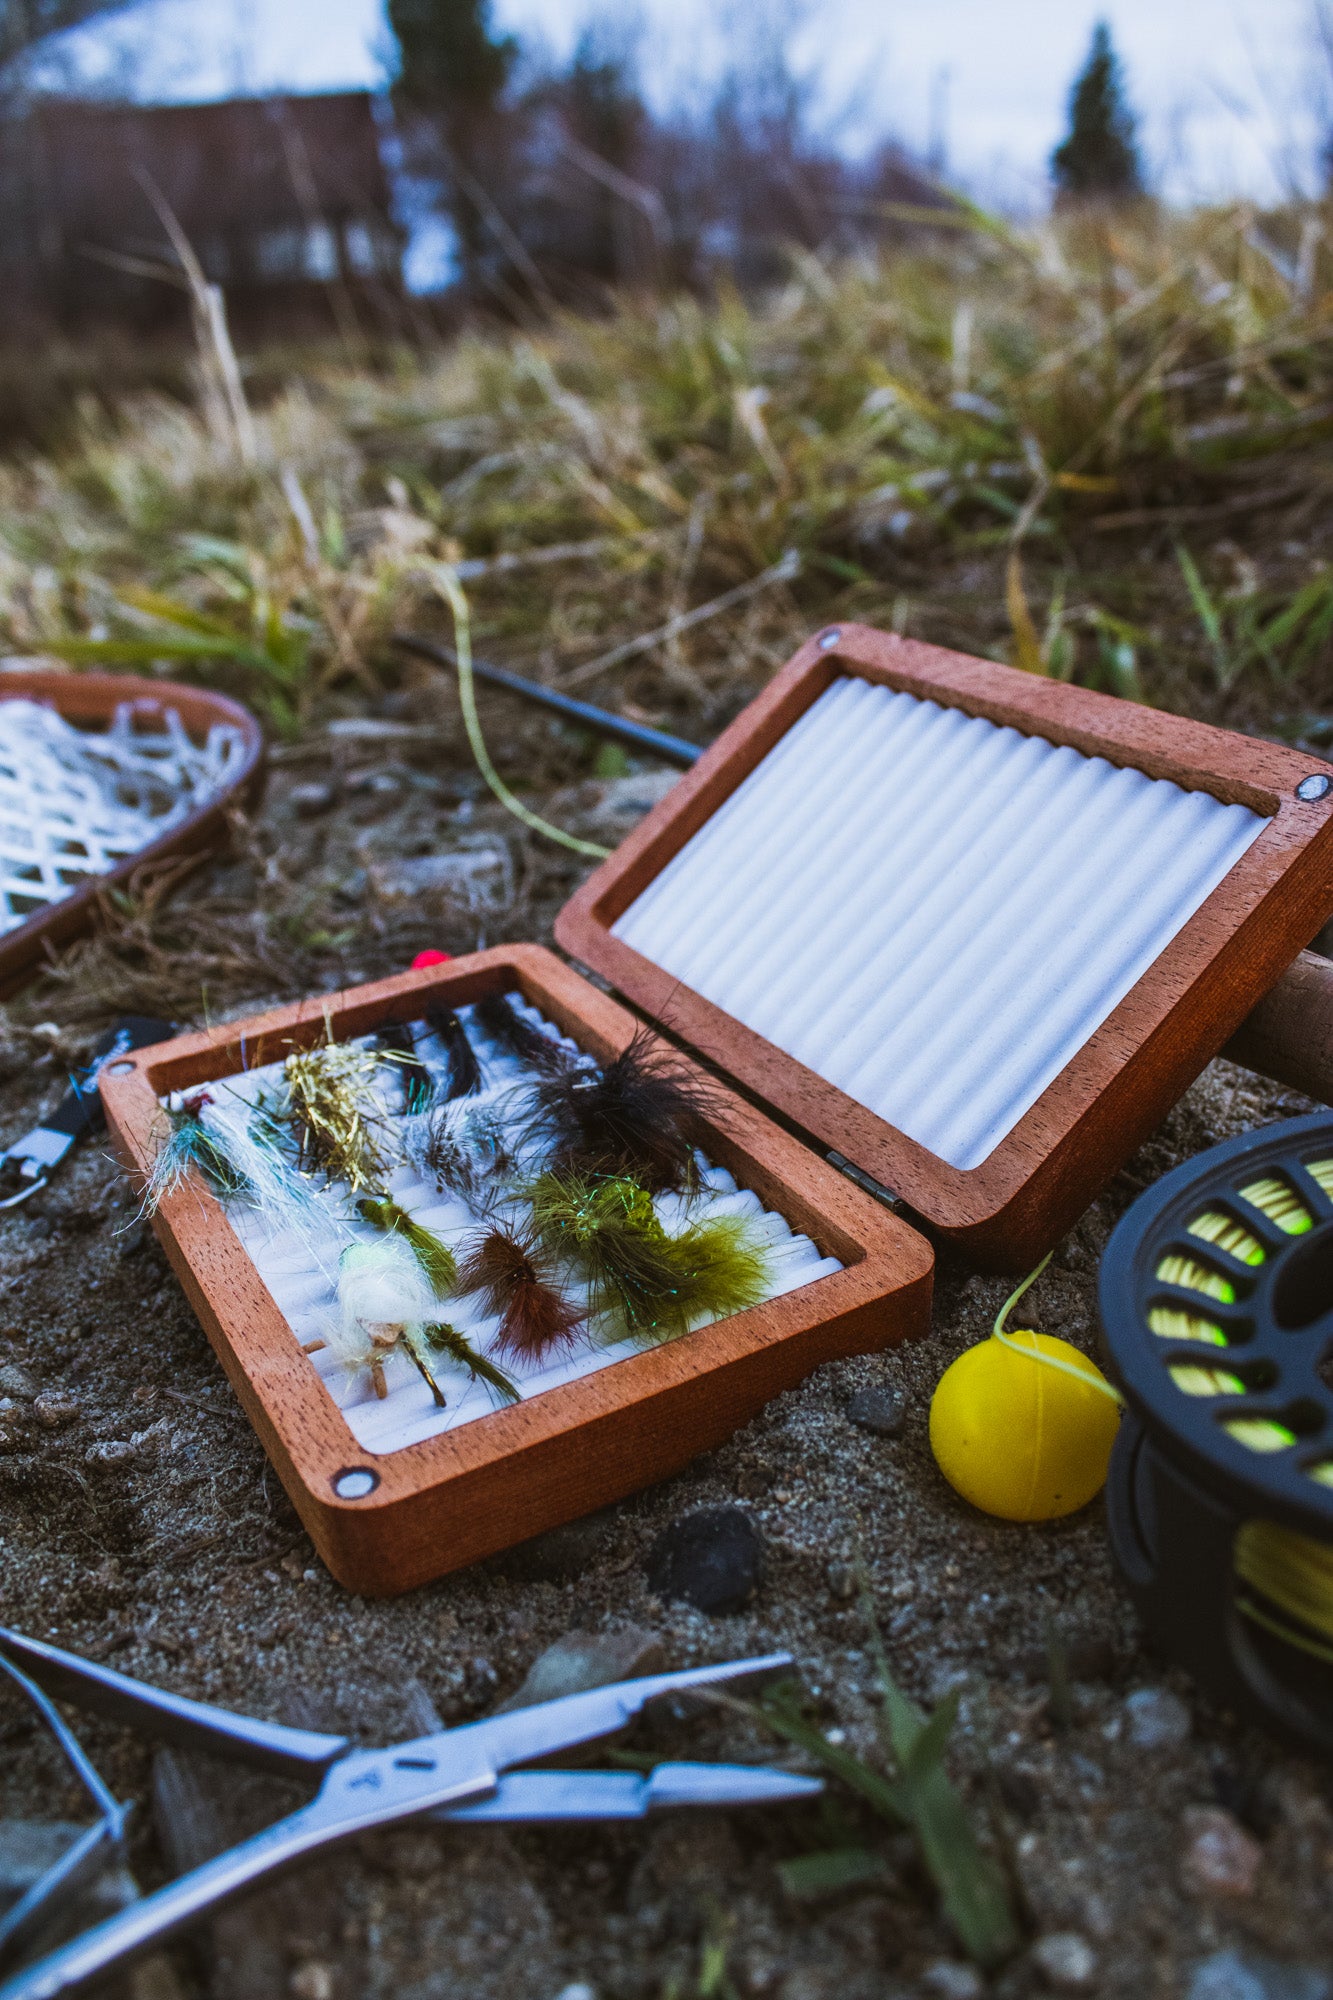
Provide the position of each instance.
(1217, 1311)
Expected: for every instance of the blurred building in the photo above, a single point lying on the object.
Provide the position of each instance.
(285, 202)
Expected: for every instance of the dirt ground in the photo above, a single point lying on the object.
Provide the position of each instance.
(140, 1525)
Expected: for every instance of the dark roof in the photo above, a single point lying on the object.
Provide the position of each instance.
(243, 165)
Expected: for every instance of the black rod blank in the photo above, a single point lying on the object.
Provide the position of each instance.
(601, 721)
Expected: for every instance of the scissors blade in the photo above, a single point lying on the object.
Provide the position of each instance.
(525, 1735)
(542, 1797)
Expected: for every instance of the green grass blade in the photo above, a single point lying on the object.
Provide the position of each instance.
(1208, 615)
(973, 1892)
(158, 605)
(781, 1714)
(827, 1874)
(171, 645)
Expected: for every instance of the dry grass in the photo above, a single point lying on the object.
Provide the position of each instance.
(1099, 447)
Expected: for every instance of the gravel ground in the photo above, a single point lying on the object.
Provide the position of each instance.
(1161, 1848)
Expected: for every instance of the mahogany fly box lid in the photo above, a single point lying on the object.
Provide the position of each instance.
(972, 930)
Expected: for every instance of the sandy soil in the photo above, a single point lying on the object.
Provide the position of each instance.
(140, 1525)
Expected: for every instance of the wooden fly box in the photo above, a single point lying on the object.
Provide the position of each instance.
(386, 1519)
(963, 932)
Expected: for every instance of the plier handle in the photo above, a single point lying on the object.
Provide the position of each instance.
(467, 1773)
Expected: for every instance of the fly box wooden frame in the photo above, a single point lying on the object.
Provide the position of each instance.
(1021, 1198)
(469, 1492)
(473, 1490)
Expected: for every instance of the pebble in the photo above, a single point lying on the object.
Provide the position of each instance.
(111, 1451)
(311, 1981)
(561, 1554)
(1220, 1858)
(376, 783)
(578, 1989)
(842, 1582)
(588, 1660)
(712, 1559)
(1065, 1961)
(1157, 1719)
(479, 878)
(351, 890)
(880, 1410)
(950, 1979)
(1233, 1975)
(131, 1240)
(307, 801)
(618, 802)
(17, 1382)
(53, 1411)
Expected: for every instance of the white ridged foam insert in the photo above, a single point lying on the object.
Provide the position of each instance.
(300, 1272)
(75, 802)
(930, 911)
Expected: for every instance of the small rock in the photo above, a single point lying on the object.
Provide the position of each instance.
(351, 890)
(561, 1554)
(588, 1660)
(1220, 1859)
(111, 1451)
(481, 1680)
(842, 1581)
(1231, 1975)
(879, 1410)
(17, 1382)
(53, 1411)
(1065, 1961)
(712, 1559)
(617, 803)
(311, 1981)
(478, 877)
(382, 784)
(308, 800)
(578, 1989)
(1158, 1719)
(950, 1979)
(130, 1241)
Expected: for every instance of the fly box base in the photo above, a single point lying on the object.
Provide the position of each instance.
(384, 1520)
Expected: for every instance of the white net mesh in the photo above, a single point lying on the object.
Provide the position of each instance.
(76, 802)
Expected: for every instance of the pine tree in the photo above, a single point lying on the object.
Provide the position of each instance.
(452, 73)
(449, 58)
(1099, 156)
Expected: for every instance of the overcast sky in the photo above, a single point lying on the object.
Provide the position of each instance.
(1226, 88)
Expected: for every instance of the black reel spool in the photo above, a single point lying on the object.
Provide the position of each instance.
(1216, 1298)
